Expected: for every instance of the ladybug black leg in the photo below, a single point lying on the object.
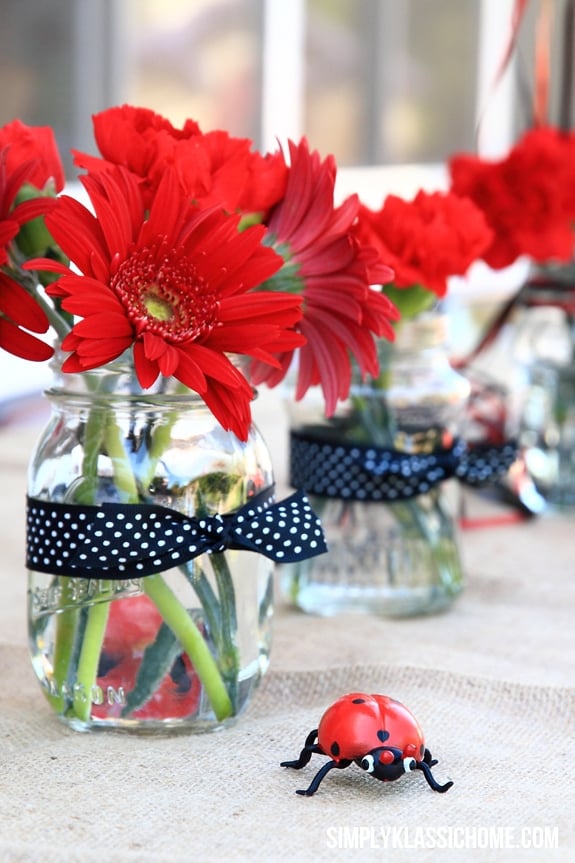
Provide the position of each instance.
(314, 785)
(428, 759)
(309, 749)
(424, 766)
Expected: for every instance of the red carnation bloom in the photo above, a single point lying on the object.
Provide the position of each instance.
(35, 144)
(237, 179)
(173, 285)
(18, 309)
(133, 625)
(213, 168)
(528, 197)
(333, 270)
(142, 141)
(428, 239)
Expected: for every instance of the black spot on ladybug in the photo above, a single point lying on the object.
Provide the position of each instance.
(358, 701)
(334, 749)
(382, 735)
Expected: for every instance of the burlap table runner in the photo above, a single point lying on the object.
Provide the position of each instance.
(67, 797)
(490, 681)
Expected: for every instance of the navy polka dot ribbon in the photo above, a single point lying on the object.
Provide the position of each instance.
(369, 473)
(120, 541)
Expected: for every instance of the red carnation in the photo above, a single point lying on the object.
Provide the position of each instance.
(426, 240)
(528, 197)
(133, 625)
(212, 168)
(36, 145)
(19, 311)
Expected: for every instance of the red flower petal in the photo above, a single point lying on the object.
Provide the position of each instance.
(22, 344)
(166, 282)
(334, 269)
(18, 305)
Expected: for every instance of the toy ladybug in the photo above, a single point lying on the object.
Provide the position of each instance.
(379, 734)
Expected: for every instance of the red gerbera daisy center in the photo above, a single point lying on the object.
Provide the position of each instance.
(163, 293)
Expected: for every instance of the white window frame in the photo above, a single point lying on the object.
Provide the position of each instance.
(283, 87)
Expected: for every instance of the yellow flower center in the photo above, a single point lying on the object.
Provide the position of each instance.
(156, 306)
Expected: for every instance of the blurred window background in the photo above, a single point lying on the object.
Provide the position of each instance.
(390, 87)
(373, 82)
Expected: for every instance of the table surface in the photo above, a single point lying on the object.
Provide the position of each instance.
(491, 681)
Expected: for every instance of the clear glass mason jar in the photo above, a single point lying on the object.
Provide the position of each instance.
(544, 350)
(183, 648)
(386, 558)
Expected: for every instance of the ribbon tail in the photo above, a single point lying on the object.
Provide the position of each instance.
(483, 464)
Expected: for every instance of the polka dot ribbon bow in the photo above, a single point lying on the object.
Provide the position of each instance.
(369, 473)
(119, 541)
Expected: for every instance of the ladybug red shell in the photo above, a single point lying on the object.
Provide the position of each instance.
(375, 732)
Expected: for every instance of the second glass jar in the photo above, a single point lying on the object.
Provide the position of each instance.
(391, 558)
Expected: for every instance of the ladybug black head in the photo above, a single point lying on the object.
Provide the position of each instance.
(386, 763)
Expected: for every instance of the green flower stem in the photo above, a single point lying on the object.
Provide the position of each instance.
(56, 321)
(160, 439)
(205, 593)
(229, 661)
(414, 520)
(66, 625)
(171, 609)
(68, 619)
(90, 658)
(97, 427)
(123, 474)
(193, 643)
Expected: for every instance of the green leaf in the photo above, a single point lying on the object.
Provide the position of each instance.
(410, 301)
(156, 662)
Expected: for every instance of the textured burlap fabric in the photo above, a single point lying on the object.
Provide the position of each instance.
(491, 682)
(81, 797)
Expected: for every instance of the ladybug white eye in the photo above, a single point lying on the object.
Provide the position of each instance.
(367, 763)
(409, 764)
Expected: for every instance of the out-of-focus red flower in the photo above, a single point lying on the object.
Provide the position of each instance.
(333, 270)
(172, 284)
(133, 625)
(428, 239)
(19, 311)
(213, 169)
(35, 144)
(528, 197)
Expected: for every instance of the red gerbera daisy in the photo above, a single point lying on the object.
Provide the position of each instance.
(18, 309)
(173, 286)
(333, 270)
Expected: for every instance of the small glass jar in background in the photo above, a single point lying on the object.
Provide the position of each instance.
(545, 352)
(390, 558)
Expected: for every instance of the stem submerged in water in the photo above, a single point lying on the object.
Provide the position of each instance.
(81, 625)
(193, 643)
(89, 661)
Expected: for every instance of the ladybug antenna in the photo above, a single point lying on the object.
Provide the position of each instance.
(431, 781)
